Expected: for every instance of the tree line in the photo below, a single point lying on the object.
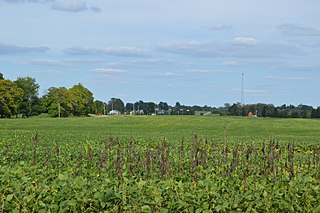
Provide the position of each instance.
(21, 98)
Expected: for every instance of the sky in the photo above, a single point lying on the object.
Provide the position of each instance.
(191, 51)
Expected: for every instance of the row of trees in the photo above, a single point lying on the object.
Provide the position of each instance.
(21, 97)
(269, 110)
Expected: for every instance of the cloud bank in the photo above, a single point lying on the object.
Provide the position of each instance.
(109, 71)
(239, 47)
(115, 51)
(28, 1)
(69, 6)
(12, 49)
(62, 5)
(219, 27)
(294, 30)
(287, 78)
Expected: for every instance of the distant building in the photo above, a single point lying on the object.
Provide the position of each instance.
(114, 112)
(161, 112)
(137, 112)
(250, 114)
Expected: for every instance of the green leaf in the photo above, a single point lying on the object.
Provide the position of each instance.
(9, 197)
(42, 204)
(141, 183)
(63, 177)
(164, 210)
(180, 184)
(265, 193)
(146, 208)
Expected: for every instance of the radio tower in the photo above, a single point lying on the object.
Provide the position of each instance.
(242, 89)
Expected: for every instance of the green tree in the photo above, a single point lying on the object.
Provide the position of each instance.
(235, 109)
(1, 76)
(59, 102)
(129, 107)
(30, 101)
(163, 106)
(10, 98)
(82, 100)
(116, 104)
(99, 107)
(151, 107)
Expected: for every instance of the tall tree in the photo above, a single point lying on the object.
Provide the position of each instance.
(129, 107)
(10, 98)
(30, 101)
(99, 107)
(163, 105)
(1, 76)
(82, 100)
(59, 102)
(116, 104)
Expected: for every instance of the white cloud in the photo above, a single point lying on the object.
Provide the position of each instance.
(287, 78)
(109, 71)
(207, 71)
(28, 1)
(251, 92)
(116, 51)
(231, 63)
(69, 5)
(219, 27)
(294, 30)
(15, 49)
(245, 41)
(96, 9)
(64, 63)
(240, 47)
(149, 63)
(164, 74)
(45, 72)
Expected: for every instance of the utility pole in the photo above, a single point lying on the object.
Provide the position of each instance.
(59, 109)
(58, 100)
(242, 88)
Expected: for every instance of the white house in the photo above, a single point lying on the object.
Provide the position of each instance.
(114, 112)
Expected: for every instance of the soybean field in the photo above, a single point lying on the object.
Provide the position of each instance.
(159, 164)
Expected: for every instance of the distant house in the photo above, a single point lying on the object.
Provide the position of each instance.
(114, 112)
(161, 112)
(250, 114)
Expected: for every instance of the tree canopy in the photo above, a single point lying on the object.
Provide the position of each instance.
(10, 98)
(31, 104)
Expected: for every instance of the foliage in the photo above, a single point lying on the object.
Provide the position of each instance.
(116, 104)
(59, 101)
(82, 100)
(10, 98)
(72, 165)
(31, 104)
(99, 107)
(63, 102)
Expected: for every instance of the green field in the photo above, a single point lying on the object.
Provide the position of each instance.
(157, 164)
(155, 128)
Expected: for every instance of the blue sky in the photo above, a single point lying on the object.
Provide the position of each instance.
(191, 51)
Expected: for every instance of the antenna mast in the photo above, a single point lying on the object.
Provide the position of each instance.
(242, 89)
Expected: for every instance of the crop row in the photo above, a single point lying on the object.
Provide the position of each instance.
(133, 176)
